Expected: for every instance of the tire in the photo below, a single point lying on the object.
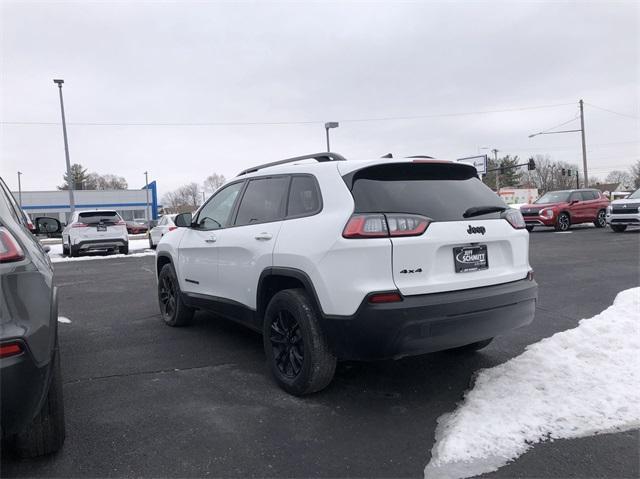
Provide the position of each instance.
(295, 347)
(601, 219)
(563, 223)
(46, 433)
(473, 347)
(74, 252)
(174, 311)
(124, 249)
(618, 228)
(65, 250)
(530, 229)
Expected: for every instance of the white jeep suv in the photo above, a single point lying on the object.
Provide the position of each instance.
(95, 230)
(354, 260)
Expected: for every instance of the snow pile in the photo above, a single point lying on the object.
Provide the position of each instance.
(576, 383)
(136, 248)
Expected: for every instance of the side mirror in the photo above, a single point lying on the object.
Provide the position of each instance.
(48, 226)
(183, 220)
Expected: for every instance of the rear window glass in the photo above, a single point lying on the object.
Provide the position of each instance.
(93, 217)
(442, 192)
(304, 198)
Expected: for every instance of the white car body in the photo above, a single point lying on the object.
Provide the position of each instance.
(95, 230)
(229, 262)
(165, 224)
(625, 212)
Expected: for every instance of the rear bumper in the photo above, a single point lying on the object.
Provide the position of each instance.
(23, 386)
(100, 244)
(432, 322)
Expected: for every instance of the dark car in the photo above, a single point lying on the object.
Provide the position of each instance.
(134, 227)
(561, 209)
(31, 406)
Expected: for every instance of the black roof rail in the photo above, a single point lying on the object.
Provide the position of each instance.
(319, 157)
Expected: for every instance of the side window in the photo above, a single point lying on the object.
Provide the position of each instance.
(304, 197)
(163, 221)
(575, 196)
(263, 201)
(215, 214)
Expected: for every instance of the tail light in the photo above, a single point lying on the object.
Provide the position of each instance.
(515, 219)
(10, 250)
(78, 224)
(171, 228)
(10, 349)
(121, 223)
(387, 225)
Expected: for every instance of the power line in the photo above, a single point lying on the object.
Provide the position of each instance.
(611, 111)
(558, 126)
(280, 123)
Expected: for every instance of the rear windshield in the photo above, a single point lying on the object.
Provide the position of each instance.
(442, 192)
(94, 217)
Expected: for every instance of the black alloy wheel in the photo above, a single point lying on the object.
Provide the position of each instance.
(167, 295)
(288, 346)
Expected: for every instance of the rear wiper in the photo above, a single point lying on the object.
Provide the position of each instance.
(481, 210)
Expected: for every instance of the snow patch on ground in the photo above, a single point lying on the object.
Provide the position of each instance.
(62, 319)
(137, 248)
(576, 383)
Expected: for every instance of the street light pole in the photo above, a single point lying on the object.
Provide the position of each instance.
(327, 126)
(146, 187)
(19, 190)
(584, 145)
(70, 181)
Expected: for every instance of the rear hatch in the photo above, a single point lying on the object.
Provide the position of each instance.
(101, 225)
(468, 243)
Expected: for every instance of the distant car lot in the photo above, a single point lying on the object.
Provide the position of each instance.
(210, 409)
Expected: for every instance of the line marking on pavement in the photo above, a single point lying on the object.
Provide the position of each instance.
(62, 319)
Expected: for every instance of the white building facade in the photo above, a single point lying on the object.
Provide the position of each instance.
(130, 204)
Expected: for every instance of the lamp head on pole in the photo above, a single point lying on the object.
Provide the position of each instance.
(59, 82)
(331, 124)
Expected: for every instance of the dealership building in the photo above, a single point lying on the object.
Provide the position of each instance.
(130, 204)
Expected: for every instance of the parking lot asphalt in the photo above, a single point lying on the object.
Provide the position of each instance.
(143, 399)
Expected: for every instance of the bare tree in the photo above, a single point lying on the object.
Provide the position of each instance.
(635, 174)
(107, 182)
(213, 182)
(620, 176)
(186, 195)
(548, 175)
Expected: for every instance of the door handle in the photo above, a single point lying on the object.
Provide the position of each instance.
(211, 239)
(263, 237)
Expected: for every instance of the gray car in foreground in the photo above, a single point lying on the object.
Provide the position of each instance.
(31, 406)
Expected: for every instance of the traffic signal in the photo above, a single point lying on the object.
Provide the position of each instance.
(568, 172)
(564, 172)
(531, 165)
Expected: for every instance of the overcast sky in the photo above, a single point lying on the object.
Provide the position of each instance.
(210, 62)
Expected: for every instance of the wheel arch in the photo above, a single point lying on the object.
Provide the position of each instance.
(275, 279)
(162, 259)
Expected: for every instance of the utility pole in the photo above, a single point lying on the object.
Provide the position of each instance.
(203, 197)
(495, 155)
(146, 187)
(584, 145)
(70, 182)
(19, 190)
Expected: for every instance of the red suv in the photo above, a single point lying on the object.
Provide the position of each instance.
(561, 209)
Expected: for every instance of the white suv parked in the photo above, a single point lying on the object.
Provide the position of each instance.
(95, 230)
(625, 212)
(352, 260)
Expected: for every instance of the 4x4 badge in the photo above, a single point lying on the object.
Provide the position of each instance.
(476, 229)
(410, 271)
